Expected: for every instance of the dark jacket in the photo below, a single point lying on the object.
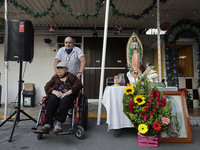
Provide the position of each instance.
(72, 83)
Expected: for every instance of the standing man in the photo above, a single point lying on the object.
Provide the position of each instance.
(73, 56)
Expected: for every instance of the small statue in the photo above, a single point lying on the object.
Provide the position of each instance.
(134, 55)
(151, 73)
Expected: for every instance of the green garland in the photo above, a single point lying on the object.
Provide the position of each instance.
(98, 6)
(116, 12)
(171, 54)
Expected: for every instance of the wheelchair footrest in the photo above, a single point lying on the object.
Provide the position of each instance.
(39, 131)
(66, 133)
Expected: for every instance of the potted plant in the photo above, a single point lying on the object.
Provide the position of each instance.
(146, 107)
(188, 95)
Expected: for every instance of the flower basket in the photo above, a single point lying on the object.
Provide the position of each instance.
(147, 141)
(147, 108)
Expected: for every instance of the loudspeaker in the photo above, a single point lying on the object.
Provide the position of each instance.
(19, 41)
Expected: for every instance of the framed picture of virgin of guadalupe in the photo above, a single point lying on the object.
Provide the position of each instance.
(134, 55)
(179, 130)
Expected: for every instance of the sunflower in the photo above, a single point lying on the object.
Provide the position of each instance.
(139, 99)
(142, 128)
(129, 90)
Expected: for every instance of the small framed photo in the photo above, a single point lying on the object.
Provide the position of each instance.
(179, 130)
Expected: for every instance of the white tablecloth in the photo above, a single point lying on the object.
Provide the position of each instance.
(112, 100)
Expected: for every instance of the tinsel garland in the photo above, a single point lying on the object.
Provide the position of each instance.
(98, 5)
(171, 53)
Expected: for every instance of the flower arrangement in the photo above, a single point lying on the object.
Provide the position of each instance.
(146, 107)
(188, 95)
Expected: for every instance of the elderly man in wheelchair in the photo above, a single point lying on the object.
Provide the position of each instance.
(61, 93)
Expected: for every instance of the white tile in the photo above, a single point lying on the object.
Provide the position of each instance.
(194, 83)
(195, 103)
(181, 83)
(191, 91)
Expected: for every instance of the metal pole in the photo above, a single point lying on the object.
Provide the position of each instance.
(103, 61)
(6, 66)
(158, 38)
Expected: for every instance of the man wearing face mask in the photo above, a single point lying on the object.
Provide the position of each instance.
(73, 56)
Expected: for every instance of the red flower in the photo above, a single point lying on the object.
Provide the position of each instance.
(186, 92)
(148, 106)
(162, 104)
(130, 106)
(150, 100)
(145, 109)
(151, 113)
(154, 108)
(152, 95)
(142, 113)
(146, 117)
(163, 99)
(156, 126)
(157, 103)
(157, 93)
(153, 90)
(157, 98)
(183, 89)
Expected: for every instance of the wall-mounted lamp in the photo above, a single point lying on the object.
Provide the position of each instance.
(47, 41)
(1, 40)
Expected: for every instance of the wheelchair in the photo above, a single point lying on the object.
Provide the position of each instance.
(79, 117)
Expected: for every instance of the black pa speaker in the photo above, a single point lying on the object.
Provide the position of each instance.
(19, 41)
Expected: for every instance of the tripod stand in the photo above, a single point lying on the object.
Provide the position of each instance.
(18, 109)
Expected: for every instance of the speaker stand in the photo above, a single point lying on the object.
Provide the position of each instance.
(18, 109)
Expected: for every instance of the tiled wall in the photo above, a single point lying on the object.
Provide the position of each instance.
(191, 86)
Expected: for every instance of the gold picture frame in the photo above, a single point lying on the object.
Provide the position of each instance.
(179, 130)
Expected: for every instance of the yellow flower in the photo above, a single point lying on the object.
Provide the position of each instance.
(139, 81)
(129, 90)
(139, 99)
(147, 79)
(142, 128)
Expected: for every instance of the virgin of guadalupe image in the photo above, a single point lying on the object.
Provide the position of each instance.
(176, 128)
(134, 55)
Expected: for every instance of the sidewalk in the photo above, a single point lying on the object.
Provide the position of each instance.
(96, 138)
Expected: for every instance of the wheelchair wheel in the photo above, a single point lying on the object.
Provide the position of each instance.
(84, 112)
(79, 133)
(39, 136)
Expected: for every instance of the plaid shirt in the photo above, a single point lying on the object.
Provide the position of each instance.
(72, 60)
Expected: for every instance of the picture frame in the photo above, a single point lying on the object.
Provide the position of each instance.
(179, 130)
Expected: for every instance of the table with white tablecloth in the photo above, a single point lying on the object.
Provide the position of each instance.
(112, 100)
